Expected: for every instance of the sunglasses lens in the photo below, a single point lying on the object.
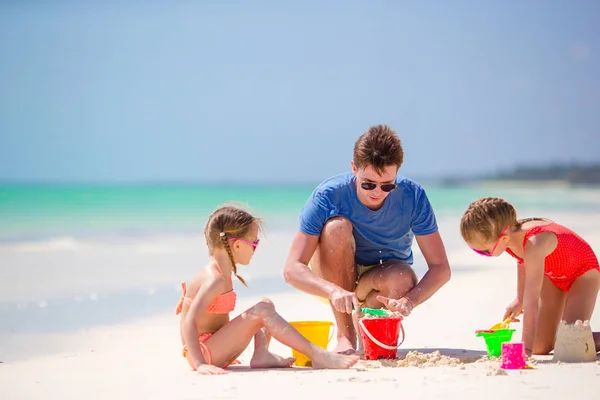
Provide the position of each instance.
(368, 185)
(481, 253)
(388, 187)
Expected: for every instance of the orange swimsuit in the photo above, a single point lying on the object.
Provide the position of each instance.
(571, 258)
(222, 304)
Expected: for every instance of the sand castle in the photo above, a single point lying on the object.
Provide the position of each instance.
(574, 342)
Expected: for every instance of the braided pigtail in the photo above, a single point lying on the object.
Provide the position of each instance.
(225, 243)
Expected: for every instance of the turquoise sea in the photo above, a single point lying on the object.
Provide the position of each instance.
(41, 211)
(75, 257)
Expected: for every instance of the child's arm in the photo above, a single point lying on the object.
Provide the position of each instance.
(515, 308)
(521, 283)
(535, 253)
(206, 294)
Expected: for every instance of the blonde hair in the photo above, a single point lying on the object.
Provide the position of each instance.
(224, 223)
(488, 217)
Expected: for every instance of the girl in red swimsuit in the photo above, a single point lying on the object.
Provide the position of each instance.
(210, 340)
(558, 272)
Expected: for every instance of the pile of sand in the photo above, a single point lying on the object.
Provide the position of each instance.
(424, 360)
(414, 359)
(484, 359)
(495, 370)
(574, 342)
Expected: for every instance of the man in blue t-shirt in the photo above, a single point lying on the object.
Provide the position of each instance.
(356, 233)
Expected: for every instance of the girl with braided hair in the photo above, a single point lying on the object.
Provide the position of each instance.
(558, 272)
(211, 341)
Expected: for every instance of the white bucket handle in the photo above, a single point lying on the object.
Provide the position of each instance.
(331, 331)
(377, 342)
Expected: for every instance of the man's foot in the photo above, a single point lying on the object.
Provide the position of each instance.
(266, 359)
(325, 359)
(344, 346)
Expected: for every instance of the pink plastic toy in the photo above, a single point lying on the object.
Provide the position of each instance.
(513, 356)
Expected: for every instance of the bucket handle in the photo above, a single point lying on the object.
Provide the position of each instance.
(377, 342)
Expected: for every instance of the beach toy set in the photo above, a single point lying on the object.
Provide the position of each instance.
(498, 342)
(380, 333)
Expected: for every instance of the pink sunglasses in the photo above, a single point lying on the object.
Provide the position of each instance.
(253, 244)
(490, 253)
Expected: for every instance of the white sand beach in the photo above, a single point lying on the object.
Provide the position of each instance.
(124, 126)
(141, 357)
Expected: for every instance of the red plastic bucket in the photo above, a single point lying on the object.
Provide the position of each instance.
(380, 337)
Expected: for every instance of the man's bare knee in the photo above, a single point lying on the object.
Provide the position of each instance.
(337, 230)
(334, 258)
(397, 279)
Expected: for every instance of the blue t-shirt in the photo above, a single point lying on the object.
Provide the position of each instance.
(382, 235)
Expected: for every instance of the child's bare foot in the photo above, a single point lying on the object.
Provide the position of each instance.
(266, 359)
(325, 359)
(344, 346)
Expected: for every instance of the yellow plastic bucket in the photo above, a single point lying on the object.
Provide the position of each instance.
(316, 332)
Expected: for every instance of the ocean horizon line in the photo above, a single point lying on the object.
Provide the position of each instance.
(200, 182)
(153, 183)
(219, 184)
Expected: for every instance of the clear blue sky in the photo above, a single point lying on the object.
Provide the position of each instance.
(279, 91)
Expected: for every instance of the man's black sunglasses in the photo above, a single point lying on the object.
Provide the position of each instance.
(386, 187)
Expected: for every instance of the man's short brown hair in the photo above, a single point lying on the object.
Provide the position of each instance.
(379, 147)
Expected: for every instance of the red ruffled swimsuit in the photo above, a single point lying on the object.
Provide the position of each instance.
(572, 257)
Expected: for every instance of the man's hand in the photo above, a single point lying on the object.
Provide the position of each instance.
(343, 301)
(403, 305)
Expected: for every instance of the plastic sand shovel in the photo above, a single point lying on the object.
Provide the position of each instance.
(375, 312)
(501, 325)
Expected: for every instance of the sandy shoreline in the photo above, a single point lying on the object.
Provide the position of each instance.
(100, 343)
(141, 359)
